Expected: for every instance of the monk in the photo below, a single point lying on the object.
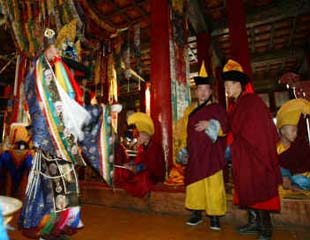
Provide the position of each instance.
(148, 167)
(207, 123)
(293, 148)
(255, 163)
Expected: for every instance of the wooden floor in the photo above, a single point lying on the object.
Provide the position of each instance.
(120, 224)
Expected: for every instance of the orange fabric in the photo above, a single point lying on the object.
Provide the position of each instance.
(176, 176)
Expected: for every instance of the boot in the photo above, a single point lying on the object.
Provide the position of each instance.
(265, 225)
(195, 218)
(215, 223)
(251, 227)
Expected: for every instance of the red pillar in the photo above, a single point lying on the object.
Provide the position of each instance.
(203, 53)
(308, 62)
(161, 110)
(220, 90)
(142, 96)
(238, 34)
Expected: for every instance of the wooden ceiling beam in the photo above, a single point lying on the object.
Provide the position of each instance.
(257, 59)
(281, 10)
(271, 37)
(140, 9)
(119, 11)
(122, 12)
(293, 30)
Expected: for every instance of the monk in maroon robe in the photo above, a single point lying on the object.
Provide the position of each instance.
(255, 163)
(297, 158)
(207, 126)
(148, 168)
(209, 159)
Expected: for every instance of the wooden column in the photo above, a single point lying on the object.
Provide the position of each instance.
(142, 96)
(161, 110)
(238, 34)
(307, 53)
(220, 87)
(203, 53)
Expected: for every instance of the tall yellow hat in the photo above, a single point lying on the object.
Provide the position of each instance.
(233, 71)
(142, 121)
(290, 112)
(202, 78)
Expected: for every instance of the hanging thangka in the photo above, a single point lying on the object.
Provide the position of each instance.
(19, 107)
(179, 65)
(28, 19)
(136, 46)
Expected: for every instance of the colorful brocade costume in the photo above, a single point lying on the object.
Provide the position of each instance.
(51, 204)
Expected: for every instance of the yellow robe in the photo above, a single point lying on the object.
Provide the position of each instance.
(209, 193)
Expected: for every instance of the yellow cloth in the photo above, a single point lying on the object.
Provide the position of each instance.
(142, 121)
(281, 148)
(290, 112)
(176, 174)
(18, 132)
(181, 131)
(207, 194)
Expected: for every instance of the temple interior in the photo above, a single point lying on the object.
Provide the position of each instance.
(94, 117)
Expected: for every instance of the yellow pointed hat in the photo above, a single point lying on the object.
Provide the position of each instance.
(202, 78)
(142, 121)
(233, 71)
(290, 112)
(232, 65)
(203, 71)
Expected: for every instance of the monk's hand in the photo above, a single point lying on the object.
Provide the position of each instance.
(201, 125)
(182, 157)
(131, 167)
(287, 184)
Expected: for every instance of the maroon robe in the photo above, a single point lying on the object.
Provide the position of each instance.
(205, 157)
(152, 157)
(121, 158)
(297, 158)
(256, 169)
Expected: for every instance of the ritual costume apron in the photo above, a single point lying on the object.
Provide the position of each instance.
(51, 204)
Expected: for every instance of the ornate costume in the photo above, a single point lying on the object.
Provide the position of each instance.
(51, 205)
